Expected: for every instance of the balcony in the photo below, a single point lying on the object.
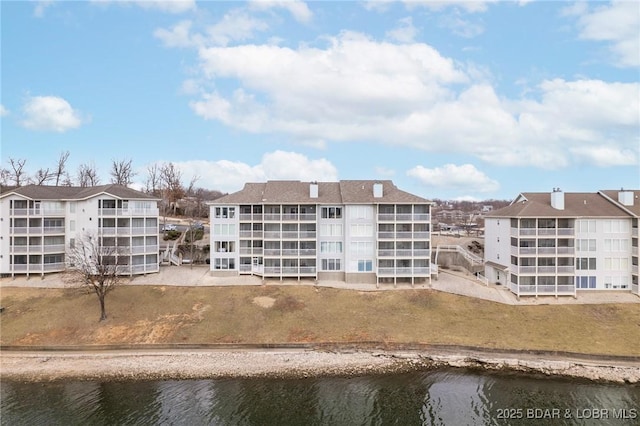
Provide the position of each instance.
(36, 212)
(52, 267)
(527, 269)
(250, 217)
(566, 231)
(516, 251)
(54, 248)
(271, 217)
(566, 269)
(53, 230)
(546, 269)
(18, 249)
(421, 235)
(566, 250)
(404, 217)
(128, 212)
(547, 250)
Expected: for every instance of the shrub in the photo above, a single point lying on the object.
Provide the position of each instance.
(197, 234)
(172, 235)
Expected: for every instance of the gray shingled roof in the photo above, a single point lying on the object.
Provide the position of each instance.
(576, 204)
(297, 192)
(45, 192)
(635, 208)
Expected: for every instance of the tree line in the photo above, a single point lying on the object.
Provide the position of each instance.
(162, 180)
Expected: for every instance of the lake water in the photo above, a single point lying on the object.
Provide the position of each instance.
(441, 397)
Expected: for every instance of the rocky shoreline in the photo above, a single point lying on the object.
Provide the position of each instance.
(45, 366)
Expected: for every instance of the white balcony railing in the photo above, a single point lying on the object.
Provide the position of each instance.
(130, 212)
(53, 230)
(54, 248)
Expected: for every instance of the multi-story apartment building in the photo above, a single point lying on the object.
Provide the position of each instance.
(560, 243)
(39, 223)
(353, 231)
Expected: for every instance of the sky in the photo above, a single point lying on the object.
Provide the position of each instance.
(449, 99)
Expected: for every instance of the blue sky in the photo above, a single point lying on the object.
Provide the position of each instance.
(449, 99)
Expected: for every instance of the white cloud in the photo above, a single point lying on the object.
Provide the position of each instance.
(469, 6)
(617, 23)
(607, 156)
(178, 36)
(50, 113)
(450, 176)
(230, 176)
(3, 111)
(168, 6)
(41, 6)
(405, 33)
(237, 25)
(356, 89)
(461, 27)
(298, 9)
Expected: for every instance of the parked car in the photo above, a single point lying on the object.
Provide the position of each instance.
(198, 225)
(169, 227)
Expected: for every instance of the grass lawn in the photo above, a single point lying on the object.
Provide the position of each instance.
(146, 314)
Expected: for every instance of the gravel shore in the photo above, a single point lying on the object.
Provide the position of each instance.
(288, 363)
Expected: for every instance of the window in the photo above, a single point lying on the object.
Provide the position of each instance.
(360, 212)
(616, 282)
(225, 246)
(586, 226)
(615, 244)
(361, 230)
(616, 263)
(225, 263)
(53, 223)
(365, 265)
(362, 247)
(586, 245)
(331, 247)
(72, 225)
(331, 230)
(586, 282)
(331, 264)
(332, 212)
(586, 263)
(224, 229)
(225, 212)
(616, 226)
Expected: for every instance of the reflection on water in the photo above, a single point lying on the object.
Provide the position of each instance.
(444, 397)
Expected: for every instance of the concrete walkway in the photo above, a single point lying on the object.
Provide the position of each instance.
(448, 281)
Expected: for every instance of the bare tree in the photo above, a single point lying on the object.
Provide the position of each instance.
(5, 177)
(18, 175)
(171, 178)
(152, 183)
(42, 176)
(60, 171)
(88, 175)
(122, 172)
(94, 266)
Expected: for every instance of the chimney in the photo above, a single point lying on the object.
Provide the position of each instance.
(313, 190)
(625, 197)
(557, 199)
(377, 190)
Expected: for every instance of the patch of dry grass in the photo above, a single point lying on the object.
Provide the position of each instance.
(147, 314)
